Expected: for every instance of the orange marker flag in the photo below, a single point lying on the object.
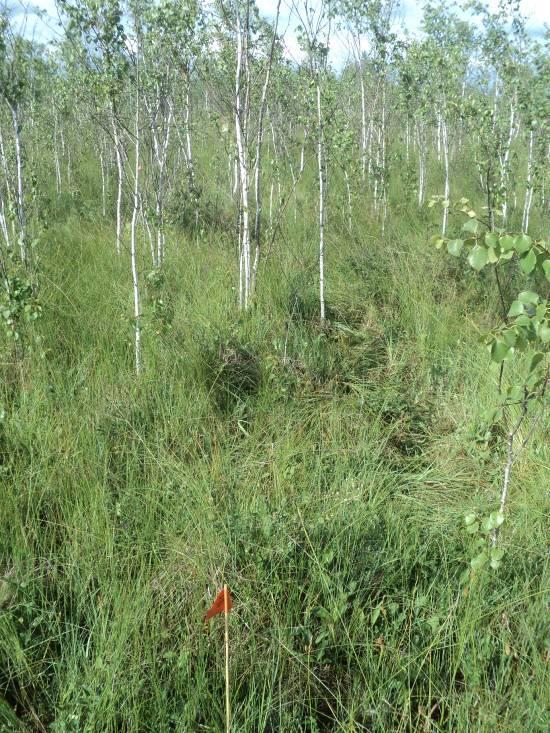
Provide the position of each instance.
(220, 605)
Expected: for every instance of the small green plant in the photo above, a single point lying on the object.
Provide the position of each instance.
(162, 310)
(524, 330)
(19, 305)
(481, 530)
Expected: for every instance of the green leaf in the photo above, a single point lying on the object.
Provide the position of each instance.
(469, 519)
(471, 226)
(486, 525)
(493, 521)
(546, 268)
(454, 247)
(437, 241)
(500, 351)
(495, 415)
(515, 393)
(472, 528)
(516, 309)
(496, 557)
(528, 262)
(544, 333)
(537, 358)
(492, 255)
(509, 337)
(506, 243)
(478, 257)
(522, 243)
(496, 518)
(528, 296)
(479, 561)
(491, 239)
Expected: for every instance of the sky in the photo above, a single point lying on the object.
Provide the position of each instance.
(408, 17)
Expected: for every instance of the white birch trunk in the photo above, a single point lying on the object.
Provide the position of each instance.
(56, 158)
(258, 161)
(133, 242)
(241, 135)
(103, 182)
(20, 189)
(3, 224)
(529, 187)
(120, 171)
(447, 192)
(363, 124)
(421, 165)
(504, 163)
(321, 172)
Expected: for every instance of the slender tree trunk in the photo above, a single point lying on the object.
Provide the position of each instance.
(258, 161)
(133, 241)
(103, 182)
(421, 164)
(7, 183)
(383, 171)
(302, 153)
(363, 123)
(241, 130)
(504, 163)
(69, 167)
(3, 224)
(147, 226)
(120, 181)
(321, 174)
(348, 192)
(56, 157)
(529, 187)
(447, 192)
(20, 189)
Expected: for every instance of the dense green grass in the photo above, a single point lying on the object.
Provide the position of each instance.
(323, 475)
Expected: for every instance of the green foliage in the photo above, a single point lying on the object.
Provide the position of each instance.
(527, 326)
(485, 553)
(19, 306)
(160, 301)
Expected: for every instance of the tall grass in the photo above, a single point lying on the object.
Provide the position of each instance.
(327, 488)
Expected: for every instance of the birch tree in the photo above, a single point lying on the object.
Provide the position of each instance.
(252, 43)
(14, 72)
(97, 33)
(448, 46)
(314, 37)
